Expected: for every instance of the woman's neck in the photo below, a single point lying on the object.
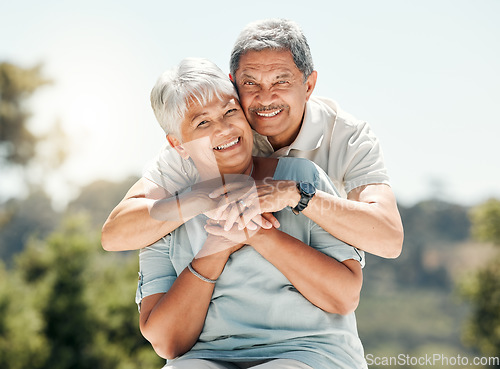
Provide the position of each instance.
(258, 168)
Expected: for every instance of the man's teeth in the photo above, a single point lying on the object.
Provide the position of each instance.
(268, 115)
(229, 144)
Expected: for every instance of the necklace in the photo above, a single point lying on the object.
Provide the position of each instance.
(251, 170)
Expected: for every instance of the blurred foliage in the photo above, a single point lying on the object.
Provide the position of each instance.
(486, 222)
(21, 219)
(99, 197)
(69, 304)
(17, 143)
(482, 288)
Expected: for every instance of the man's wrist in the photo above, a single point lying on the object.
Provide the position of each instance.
(294, 196)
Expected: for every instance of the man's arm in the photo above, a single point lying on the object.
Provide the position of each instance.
(148, 212)
(130, 226)
(368, 219)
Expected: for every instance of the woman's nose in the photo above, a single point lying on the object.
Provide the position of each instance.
(223, 127)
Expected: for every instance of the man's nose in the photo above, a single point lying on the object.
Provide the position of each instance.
(265, 97)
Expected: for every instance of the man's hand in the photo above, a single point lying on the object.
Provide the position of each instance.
(244, 201)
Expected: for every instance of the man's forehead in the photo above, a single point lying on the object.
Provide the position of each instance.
(274, 62)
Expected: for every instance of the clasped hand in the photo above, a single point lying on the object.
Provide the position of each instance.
(251, 204)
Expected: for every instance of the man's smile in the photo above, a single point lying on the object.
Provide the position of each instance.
(268, 115)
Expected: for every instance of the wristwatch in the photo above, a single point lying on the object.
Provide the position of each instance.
(307, 191)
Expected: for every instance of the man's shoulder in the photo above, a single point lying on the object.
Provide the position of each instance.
(331, 109)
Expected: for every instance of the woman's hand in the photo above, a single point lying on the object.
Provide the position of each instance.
(218, 245)
(234, 235)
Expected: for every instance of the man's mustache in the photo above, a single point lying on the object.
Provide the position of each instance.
(262, 109)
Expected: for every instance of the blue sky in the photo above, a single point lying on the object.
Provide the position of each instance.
(424, 74)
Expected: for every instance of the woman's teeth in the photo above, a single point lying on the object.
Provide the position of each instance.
(229, 144)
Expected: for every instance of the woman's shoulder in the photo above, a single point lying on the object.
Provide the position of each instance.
(301, 169)
(296, 168)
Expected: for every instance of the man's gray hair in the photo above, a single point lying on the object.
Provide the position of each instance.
(192, 80)
(274, 34)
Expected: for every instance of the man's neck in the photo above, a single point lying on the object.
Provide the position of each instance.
(278, 142)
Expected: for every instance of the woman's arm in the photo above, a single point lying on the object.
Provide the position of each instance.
(327, 283)
(173, 321)
(331, 285)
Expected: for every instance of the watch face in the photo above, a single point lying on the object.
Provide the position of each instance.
(307, 188)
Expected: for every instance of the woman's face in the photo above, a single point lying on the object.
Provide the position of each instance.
(218, 130)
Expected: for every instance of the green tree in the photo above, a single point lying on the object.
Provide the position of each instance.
(486, 222)
(25, 218)
(17, 142)
(483, 288)
(69, 304)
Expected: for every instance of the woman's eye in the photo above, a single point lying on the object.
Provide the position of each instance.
(230, 111)
(202, 123)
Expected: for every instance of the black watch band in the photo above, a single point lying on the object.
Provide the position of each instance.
(307, 191)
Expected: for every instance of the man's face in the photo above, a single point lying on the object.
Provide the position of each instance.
(273, 94)
(220, 131)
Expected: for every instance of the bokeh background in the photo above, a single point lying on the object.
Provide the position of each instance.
(76, 130)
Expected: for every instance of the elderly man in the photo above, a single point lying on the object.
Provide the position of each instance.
(272, 69)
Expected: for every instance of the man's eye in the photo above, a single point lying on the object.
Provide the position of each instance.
(249, 83)
(282, 82)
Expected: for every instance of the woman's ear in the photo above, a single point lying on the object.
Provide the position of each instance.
(176, 144)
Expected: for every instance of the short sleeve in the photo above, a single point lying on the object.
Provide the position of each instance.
(363, 158)
(170, 171)
(333, 247)
(157, 273)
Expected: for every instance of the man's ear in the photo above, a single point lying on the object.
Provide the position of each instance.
(176, 144)
(311, 83)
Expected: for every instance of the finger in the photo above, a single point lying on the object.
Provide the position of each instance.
(271, 219)
(232, 217)
(246, 194)
(214, 229)
(255, 223)
(228, 187)
(247, 217)
(222, 206)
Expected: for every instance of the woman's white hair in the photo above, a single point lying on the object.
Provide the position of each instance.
(192, 80)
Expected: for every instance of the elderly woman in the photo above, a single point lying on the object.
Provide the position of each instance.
(212, 297)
